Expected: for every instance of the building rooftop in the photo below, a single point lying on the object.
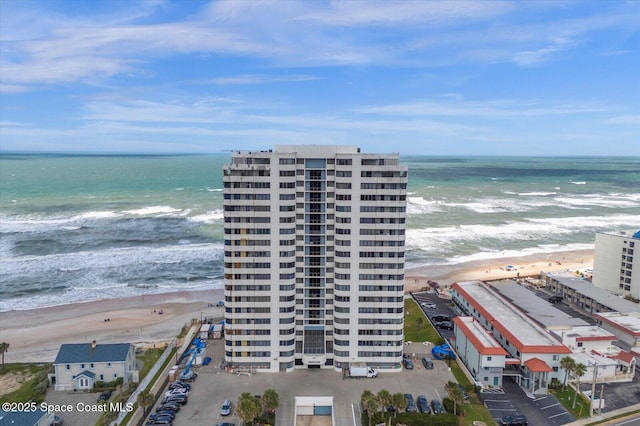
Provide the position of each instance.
(590, 332)
(73, 353)
(539, 309)
(602, 296)
(478, 336)
(521, 331)
(628, 322)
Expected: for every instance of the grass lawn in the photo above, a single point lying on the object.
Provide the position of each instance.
(417, 327)
(566, 399)
(476, 412)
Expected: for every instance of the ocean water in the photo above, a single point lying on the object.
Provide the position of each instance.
(80, 228)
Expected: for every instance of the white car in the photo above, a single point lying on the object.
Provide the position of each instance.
(429, 305)
(184, 392)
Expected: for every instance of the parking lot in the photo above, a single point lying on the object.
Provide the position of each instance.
(214, 385)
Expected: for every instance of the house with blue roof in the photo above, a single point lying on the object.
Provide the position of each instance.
(79, 366)
(26, 418)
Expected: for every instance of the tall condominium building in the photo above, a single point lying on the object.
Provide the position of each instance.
(314, 258)
(613, 263)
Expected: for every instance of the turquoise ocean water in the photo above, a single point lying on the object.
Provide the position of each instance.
(79, 228)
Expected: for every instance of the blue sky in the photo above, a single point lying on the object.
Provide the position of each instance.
(415, 77)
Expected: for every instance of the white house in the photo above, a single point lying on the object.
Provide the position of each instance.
(79, 366)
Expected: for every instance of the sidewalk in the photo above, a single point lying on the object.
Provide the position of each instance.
(602, 420)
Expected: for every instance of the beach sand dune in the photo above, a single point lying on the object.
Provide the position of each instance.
(36, 335)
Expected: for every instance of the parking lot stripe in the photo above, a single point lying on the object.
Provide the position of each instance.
(353, 413)
(549, 406)
(559, 414)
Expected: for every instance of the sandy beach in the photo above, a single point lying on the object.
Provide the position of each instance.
(36, 335)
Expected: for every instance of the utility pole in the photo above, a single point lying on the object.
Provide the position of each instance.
(593, 388)
(600, 400)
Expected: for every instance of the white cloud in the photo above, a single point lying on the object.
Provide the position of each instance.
(503, 108)
(261, 79)
(625, 119)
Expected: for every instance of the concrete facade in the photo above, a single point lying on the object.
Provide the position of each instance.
(314, 258)
(613, 263)
(481, 353)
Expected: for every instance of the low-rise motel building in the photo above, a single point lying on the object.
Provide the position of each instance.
(532, 354)
(479, 351)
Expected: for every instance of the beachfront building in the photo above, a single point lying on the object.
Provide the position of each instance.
(625, 326)
(613, 263)
(583, 295)
(314, 258)
(533, 354)
(595, 347)
(479, 351)
(78, 366)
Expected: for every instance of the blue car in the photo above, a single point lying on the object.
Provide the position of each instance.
(423, 404)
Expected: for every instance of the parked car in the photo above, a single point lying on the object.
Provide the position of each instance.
(173, 406)
(555, 299)
(190, 376)
(169, 413)
(514, 420)
(162, 416)
(429, 305)
(423, 405)
(411, 405)
(226, 424)
(225, 410)
(436, 407)
(445, 325)
(57, 421)
(408, 364)
(181, 385)
(177, 391)
(165, 421)
(178, 399)
(427, 362)
(440, 317)
(104, 396)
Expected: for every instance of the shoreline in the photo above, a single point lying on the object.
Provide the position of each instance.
(35, 335)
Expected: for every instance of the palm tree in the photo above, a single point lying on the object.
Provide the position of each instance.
(579, 371)
(455, 393)
(568, 365)
(399, 402)
(248, 407)
(371, 405)
(384, 398)
(145, 400)
(4, 347)
(270, 400)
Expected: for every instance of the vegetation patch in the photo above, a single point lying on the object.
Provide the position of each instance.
(417, 327)
(24, 382)
(566, 397)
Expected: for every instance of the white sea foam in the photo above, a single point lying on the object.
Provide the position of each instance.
(209, 217)
(153, 210)
(214, 189)
(540, 249)
(418, 205)
(579, 183)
